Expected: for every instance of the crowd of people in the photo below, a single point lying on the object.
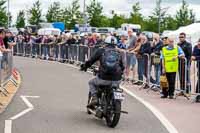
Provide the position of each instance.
(144, 54)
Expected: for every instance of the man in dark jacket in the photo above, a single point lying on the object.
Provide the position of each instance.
(104, 78)
(145, 51)
(187, 49)
(156, 48)
(196, 57)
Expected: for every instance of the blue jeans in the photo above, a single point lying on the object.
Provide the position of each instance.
(157, 73)
(45, 50)
(56, 51)
(35, 49)
(130, 60)
(140, 68)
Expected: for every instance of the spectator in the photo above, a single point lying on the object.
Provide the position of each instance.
(2, 45)
(122, 43)
(140, 60)
(156, 49)
(131, 58)
(27, 44)
(143, 53)
(64, 48)
(57, 41)
(45, 47)
(20, 45)
(99, 41)
(91, 40)
(196, 57)
(72, 48)
(165, 41)
(35, 41)
(169, 57)
(187, 49)
(9, 40)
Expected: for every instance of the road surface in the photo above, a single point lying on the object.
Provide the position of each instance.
(61, 106)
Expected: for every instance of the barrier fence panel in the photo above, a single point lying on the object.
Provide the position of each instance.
(6, 63)
(147, 67)
(195, 77)
(183, 83)
(155, 72)
(6, 67)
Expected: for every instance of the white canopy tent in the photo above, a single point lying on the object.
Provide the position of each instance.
(49, 31)
(192, 31)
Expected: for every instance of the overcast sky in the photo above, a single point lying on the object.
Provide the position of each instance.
(121, 6)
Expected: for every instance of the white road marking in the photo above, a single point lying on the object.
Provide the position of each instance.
(21, 114)
(156, 112)
(8, 123)
(8, 126)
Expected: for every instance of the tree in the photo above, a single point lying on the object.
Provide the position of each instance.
(54, 12)
(105, 21)
(184, 16)
(72, 14)
(117, 21)
(4, 17)
(170, 23)
(94, 11)
(157, 19)
(20, 23)
(35, 13)
(136, 16)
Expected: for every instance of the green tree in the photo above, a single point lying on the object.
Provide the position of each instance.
(150, 24)
(105, 21)
(170, 23)
(94, 10)
(54, 12)
(117, 21)
(135, 16)
(72, 14)
(157, 19)
(35, 13)
(184, 15)
(20, 23)
(3, 18)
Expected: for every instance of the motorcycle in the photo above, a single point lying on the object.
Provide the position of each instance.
(109, 104)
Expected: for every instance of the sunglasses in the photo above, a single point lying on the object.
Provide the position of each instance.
(181, 37)
(165, 38)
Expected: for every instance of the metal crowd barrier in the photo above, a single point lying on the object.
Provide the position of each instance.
(148, 66)
(195, 77)
(6, 63)
(183, 83)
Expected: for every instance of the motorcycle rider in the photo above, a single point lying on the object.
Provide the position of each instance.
(110, 69)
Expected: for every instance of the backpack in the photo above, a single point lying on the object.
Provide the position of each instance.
(111, 62)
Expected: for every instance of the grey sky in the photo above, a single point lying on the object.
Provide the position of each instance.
(121, 6)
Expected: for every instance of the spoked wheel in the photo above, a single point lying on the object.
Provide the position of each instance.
(113, 114)
(89, 99)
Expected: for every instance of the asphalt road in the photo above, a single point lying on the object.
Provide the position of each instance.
(61, 106)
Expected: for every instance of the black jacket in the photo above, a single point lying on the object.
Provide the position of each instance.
(157, 48)
(187, 49)
(196, 53)
(98, 57)
(145, 49)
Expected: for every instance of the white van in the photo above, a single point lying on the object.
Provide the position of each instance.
(135, 27)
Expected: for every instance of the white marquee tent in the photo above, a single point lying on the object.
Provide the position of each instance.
(192, 31)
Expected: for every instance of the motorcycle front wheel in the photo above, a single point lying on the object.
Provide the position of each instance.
(113, 115)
